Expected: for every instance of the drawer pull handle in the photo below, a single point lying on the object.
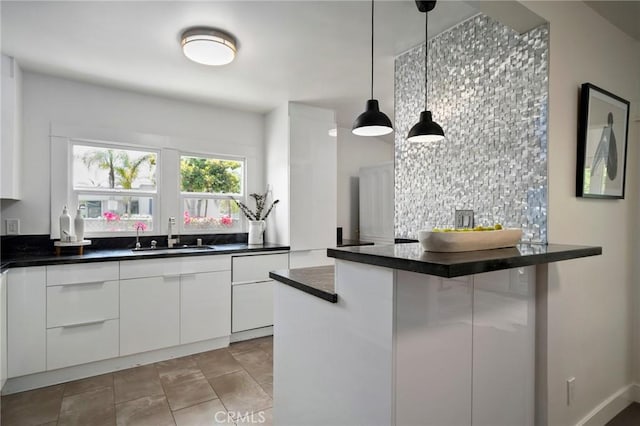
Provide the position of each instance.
(79, 324)
(171, 276)
(83, 283)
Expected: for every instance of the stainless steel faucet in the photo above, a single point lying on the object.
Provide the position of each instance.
(138, 238)
(170, 240)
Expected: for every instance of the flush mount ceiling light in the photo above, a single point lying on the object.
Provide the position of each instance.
(208, 46)
(426, 130)
(372, 122)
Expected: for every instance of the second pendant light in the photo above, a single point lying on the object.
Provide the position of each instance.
(372, 122)
(426, 130)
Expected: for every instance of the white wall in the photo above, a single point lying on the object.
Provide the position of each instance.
(189, 126)
(590, 301)
(355, 152)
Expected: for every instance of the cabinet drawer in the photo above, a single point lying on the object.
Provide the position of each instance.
(252, 306)
(256, 268)
(73, 304)
(84, 273)
(67, 346)
(174, 266)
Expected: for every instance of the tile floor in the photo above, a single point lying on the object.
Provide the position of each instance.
(226, 386)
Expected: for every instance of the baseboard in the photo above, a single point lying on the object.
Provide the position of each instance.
(252, 334)
(636, 392)
(63, 375)
(610, 407)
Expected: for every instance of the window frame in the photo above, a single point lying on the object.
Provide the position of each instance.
(242, 196)
(155, 195)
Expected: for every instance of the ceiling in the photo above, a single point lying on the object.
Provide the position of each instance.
(316, 52)
(623, 14)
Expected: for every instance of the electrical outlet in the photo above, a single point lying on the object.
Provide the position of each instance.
(464, 219)
(571, 390)
(13, 226)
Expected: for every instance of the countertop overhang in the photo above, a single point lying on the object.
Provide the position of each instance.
(317, 280)
(411, 257)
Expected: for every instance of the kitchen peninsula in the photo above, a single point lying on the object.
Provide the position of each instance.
(412, 337)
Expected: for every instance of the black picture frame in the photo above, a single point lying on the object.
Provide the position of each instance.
(603, 130)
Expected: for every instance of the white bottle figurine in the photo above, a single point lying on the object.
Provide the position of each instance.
(78, 226)
(65, 225)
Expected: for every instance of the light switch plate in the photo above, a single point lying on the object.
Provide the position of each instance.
(464, 219)
(13, 226)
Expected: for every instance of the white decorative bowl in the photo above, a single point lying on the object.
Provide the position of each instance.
(457, 241)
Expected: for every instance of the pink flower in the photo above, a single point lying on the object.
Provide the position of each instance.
(111, 217)
(226, 220)
(140, 226)
(187, 218)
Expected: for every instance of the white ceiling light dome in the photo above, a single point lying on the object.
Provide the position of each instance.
(208, 46)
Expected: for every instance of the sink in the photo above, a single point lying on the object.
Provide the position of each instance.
(171, 249)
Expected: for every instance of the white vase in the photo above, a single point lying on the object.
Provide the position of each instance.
(256, 232)
(65, 225)
(78, 226)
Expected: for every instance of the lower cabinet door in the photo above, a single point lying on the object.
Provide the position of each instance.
(79, 344)
(149, 314)
(252, 306)
(205, 306)
(26, 321)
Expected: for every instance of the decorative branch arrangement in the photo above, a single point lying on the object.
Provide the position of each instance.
(261, 200)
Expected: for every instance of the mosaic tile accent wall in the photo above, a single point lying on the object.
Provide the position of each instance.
(488, 89)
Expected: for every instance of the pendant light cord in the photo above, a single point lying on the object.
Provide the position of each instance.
(372, 1)
(426, 58)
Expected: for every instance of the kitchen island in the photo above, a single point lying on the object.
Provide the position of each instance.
(412, 338)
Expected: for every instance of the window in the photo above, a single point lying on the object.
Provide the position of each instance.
(114, 187)
(206, 184)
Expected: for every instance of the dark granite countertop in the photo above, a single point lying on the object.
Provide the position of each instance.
(104, 255)
(411, 257)
(353, 243)
(318, 281)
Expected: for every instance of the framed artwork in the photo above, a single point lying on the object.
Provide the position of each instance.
(602, 144)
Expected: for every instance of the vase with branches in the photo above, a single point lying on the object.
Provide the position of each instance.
(256, 217)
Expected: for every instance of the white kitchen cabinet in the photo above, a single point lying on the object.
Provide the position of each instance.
(252, 306)
(149, 313)
(83, 310)
(11, 143)
(205, 306)
(247, 269)
(376, 203)
(434, 324)
(253, 289)
(26, 321)
(73, 304)
(504, 347)
(173, 266)
(3, 329)
(83, 273)
(82, 343)
(301, 169)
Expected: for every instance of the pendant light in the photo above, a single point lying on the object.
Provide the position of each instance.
(372, 122)
(426, 130)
